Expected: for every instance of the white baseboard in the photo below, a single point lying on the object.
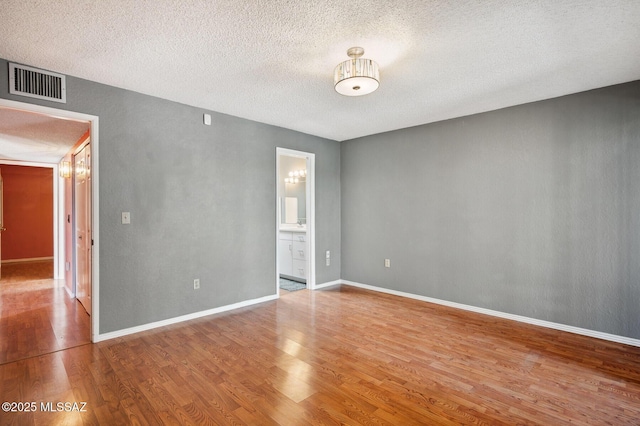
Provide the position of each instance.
(519, 318)
(328, 284)
(69, 291)
(120, 333)
(30, 259)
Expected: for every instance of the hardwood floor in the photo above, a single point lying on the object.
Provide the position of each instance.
(36, 314)
(336, 356)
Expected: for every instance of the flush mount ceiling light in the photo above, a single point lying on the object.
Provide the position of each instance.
(356, 77)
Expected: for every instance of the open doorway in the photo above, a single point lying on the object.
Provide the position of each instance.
(39, 315)
(27, 213)
(49, 301)
(295, 228)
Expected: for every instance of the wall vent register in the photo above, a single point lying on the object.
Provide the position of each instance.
(37, 83)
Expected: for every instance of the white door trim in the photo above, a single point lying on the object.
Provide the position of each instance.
(95, 202)
(310, 189)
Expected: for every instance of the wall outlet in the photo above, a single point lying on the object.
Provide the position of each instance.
(126, 218)
(196, 284)
(328, 262)
(387, 263)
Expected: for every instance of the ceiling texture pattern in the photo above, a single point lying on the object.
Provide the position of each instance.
(273, 61)
(37, 137)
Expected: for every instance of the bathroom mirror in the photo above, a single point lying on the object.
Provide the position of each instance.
(292, 190)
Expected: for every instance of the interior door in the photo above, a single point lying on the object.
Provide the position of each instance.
(82, 201)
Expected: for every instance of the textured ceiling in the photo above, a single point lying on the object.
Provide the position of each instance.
(273, 61)
(27, 136)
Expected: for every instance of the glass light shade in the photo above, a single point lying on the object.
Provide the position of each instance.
(65, 169)
(356, 77)
(80, 169)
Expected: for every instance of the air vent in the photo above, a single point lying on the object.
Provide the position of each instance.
(36, 83)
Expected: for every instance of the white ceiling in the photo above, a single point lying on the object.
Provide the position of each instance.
(273, 61)
(34, 137)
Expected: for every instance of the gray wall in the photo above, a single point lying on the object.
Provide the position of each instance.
(532, 210)
(202, 202)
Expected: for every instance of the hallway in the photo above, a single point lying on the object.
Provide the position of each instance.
(37, 316)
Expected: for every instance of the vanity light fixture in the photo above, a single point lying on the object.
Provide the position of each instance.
(295, 176)
(64, 169)
(357, 76)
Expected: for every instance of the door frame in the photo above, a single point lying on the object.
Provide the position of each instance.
(95, 200)
(310, 205)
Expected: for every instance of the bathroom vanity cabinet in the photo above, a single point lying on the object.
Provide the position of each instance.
(293, 252)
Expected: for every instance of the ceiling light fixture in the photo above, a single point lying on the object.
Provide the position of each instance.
(356, 77)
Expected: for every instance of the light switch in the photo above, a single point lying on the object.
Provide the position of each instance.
(328, 254)
(126, 218)
(207, 119)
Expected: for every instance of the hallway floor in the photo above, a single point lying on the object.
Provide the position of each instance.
(37, 316)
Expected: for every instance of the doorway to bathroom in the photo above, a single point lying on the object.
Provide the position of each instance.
(295, 227)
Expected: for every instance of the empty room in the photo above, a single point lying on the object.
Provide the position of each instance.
(289, 213)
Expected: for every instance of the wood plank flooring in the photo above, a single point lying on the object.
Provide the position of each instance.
(336, 356)
(36, 314)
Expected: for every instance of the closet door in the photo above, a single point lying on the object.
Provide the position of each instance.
(82, 202)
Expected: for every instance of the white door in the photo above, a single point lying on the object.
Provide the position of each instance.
(82, 201)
